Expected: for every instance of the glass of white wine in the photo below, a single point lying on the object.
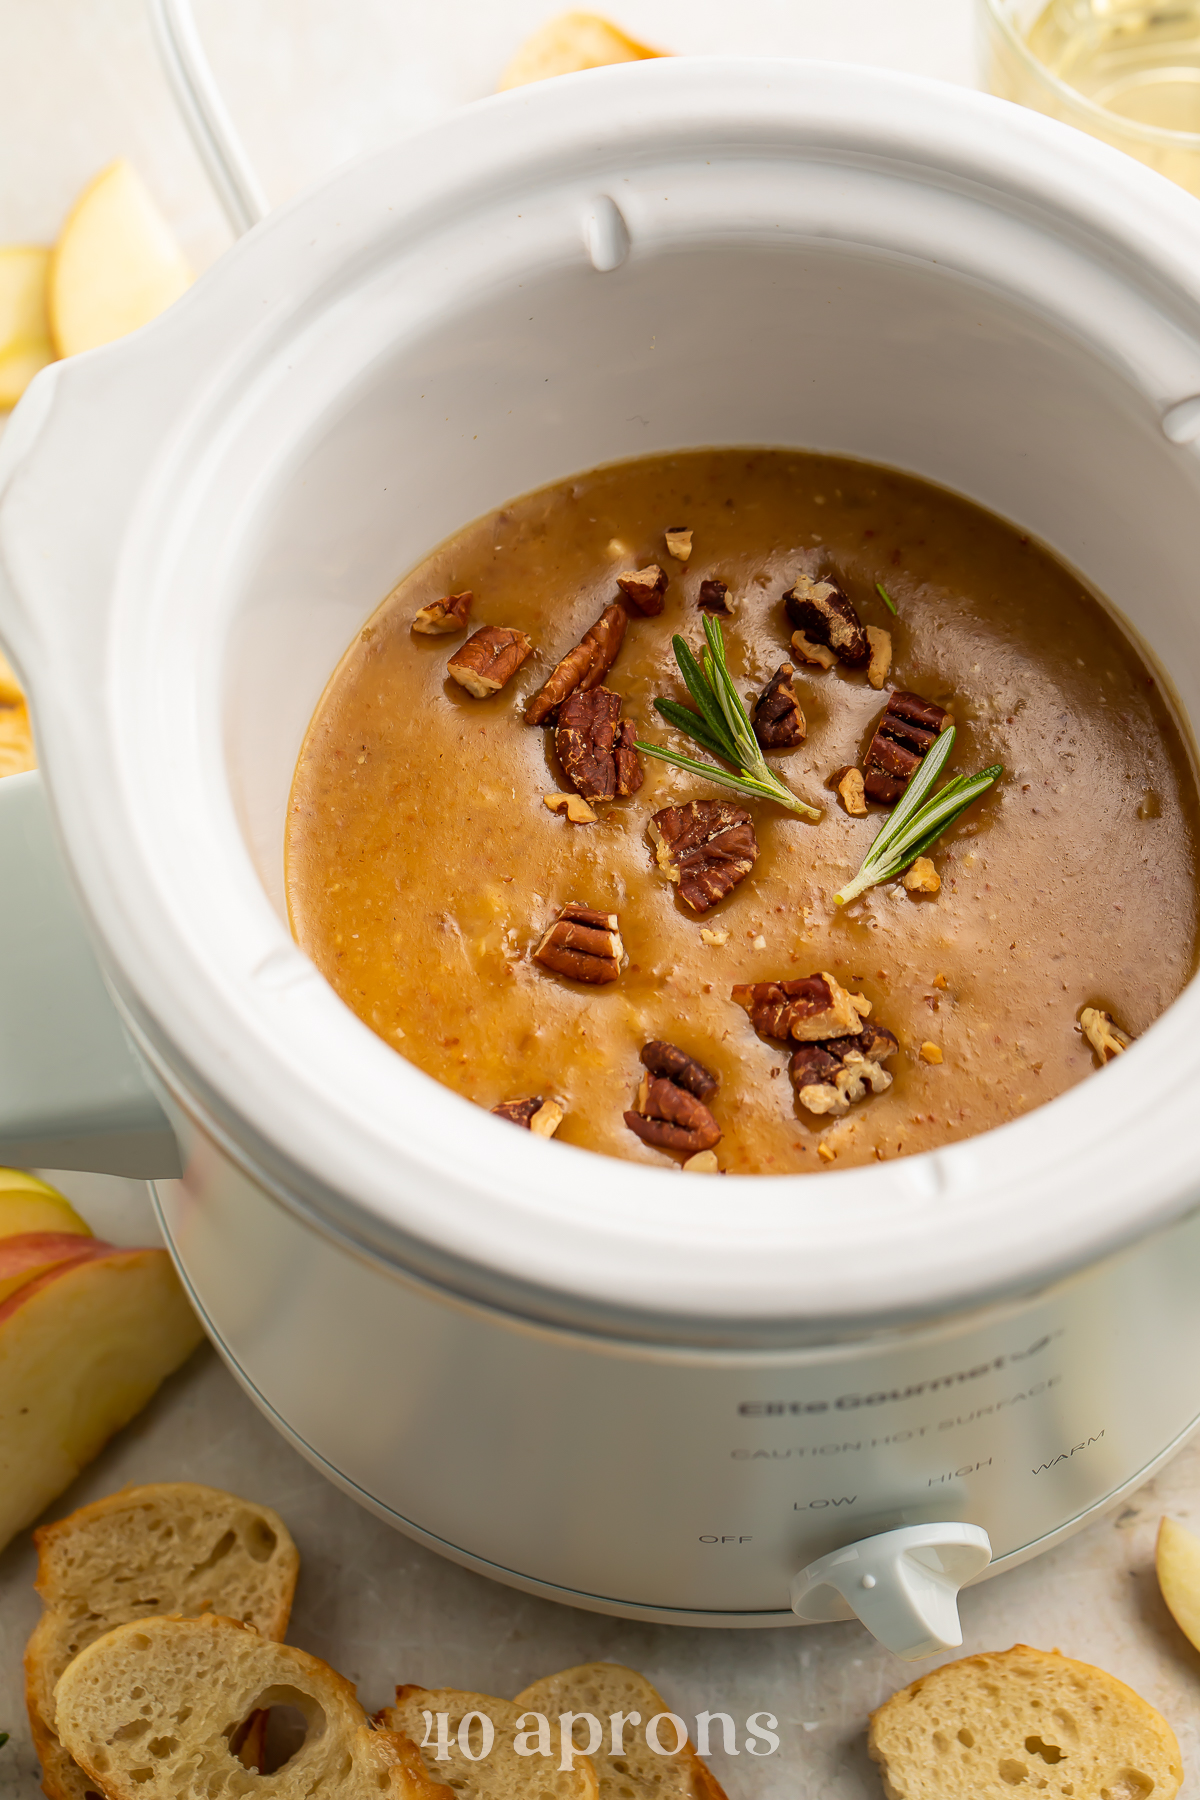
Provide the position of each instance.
(1124, 71)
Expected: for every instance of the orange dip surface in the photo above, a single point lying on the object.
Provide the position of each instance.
(423, 866)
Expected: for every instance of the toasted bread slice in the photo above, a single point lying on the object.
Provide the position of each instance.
(500, 1775)
(170, 1547)
(150, 1710)
(1023, 1719)
(606, 1688)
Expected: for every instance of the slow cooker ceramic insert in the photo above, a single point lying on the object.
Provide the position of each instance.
(725, 1406)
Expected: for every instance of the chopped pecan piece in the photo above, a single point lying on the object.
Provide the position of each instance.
(810, 1009)
(921, 877)
(714, 598)
(583, 944)
(703, 1163)
(645, 587)
(822, 612)
(706, 846)
(848, 784)
(881, 655)
(489, 658)
(829, 1077)
(674, 1064)
(679, 542)
(606, 637)
(450, 614)
(518, 1112)
(777, 720)
(875, 1041)
(930, 1053)
(574, 805)
(1106, 1038)
(542, 1117)
(819, 654)
(595, 746)
(670, 1110)
(908, 729)
(583, 667)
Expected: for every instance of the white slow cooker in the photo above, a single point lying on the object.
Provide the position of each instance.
(732, 1401)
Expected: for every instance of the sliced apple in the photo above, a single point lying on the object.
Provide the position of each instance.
(1177, 1562)
(25, 345)
(34, 1253)
(30, 1204)
(116, 265)
(82, 1349)
(572, 41)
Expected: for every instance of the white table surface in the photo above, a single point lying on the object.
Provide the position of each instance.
(311, 83)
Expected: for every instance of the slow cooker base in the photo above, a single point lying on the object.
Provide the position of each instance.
(630, 1609)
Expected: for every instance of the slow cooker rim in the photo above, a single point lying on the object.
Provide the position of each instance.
(910, 1174)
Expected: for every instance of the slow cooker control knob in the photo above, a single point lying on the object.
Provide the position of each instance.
(903, 1585)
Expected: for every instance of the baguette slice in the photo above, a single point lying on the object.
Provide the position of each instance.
(150, 1711)
(502, 1774)
(606, 1688)
(171, 1547)
(1027, 1720)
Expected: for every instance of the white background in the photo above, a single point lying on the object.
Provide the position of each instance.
(311, 83)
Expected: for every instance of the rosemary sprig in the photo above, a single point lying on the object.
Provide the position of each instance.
(886, 597)
(917, 823)
(722, 727)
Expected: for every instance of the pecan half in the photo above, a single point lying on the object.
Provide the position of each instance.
(810, 1009)
(489, 658)
(823, 613)
(450, 614)
(583, 944)
(829, 1077)
(669, 1111)
(542, 1117)
(595, 746)
(644, 587)
(706, 847)
(907, 731)
(806, 651)
(582, 667)
(777, 720)
(1103, 1034)
(674, 1064)
(848, 785)
(679, 542)
(714, 598)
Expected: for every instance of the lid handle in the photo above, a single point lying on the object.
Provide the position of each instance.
(902, 1584)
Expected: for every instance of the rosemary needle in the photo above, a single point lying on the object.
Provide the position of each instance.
(917, 823)
(722, 727)
(886, 597)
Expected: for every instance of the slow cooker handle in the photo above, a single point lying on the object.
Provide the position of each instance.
(902, 1584)
(72, 1091)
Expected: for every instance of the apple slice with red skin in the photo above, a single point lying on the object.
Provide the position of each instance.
(29, 1204)
(34, 1253)
(82, 1349)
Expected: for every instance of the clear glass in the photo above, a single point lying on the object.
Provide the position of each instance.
(1127, 73)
